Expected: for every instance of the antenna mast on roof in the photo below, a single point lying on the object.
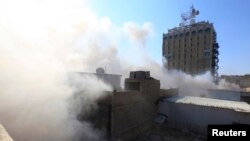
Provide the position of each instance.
(188, 18)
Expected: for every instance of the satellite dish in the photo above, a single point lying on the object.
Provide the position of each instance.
(100, 71)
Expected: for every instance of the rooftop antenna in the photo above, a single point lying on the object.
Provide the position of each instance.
(188, 18)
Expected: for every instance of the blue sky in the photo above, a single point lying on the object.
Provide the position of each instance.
(231, 20)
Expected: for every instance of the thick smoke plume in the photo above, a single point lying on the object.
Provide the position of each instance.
(187, 84)
(138, 34)
(39, 47)
(42, 42)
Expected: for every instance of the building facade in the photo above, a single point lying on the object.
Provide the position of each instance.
(191, 47)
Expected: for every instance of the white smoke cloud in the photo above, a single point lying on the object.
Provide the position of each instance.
(194, 85)
(87, 90)
(41, 42)
(137, 33)
(38, 47)
(187, 84)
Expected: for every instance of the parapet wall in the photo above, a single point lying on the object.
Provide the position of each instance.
(196, 117)
(126, 98)
(132, 114)
(168, 92)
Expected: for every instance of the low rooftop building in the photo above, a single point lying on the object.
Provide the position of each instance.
(127, 113)
(196, 113)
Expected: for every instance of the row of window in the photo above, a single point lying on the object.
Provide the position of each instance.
(188, 67)
(188, 33)
(191, 48)
(191, 40)
(185, 62)
(206, 54)
(191, 44)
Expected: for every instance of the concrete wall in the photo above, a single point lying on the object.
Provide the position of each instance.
(111, 79)
(133, 111)
(123, 115)
(228, 95)
(132, 114)
(224, 94)
(196, 118)
(245, 96)
(168, 92)
(127, 114)
(149, 88)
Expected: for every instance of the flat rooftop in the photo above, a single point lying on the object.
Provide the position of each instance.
(232, 105)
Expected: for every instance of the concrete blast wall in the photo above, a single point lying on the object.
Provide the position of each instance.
(224, 94)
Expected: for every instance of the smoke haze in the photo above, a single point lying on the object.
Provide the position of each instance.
(38, 48)
(41, 42)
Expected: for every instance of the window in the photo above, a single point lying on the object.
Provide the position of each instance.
(169, 56)
(194, 33)
(165, 37)
(206, 53)
(207, 29)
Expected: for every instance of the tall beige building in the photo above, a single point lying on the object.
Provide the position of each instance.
(191, 47)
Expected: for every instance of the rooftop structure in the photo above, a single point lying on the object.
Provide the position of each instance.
(188, 18)
(127, 113)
